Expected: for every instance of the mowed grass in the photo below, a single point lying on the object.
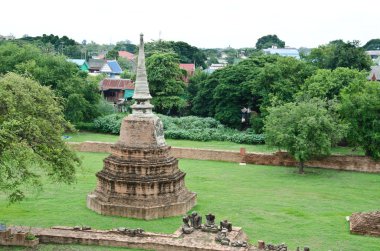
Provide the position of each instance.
(222, 145)
(274, 204)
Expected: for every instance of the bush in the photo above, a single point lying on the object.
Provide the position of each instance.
(109, 123)
(187, 128)
(86, 126)
(206, 129)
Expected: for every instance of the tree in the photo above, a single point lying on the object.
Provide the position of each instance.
(360, 108)
(268, 41)
(327, 84)
(373, 44)
(185, 52)
(112, 54)
(306, 130)
(31, 126)
(53, 70)
(340, 54)
(165, 83)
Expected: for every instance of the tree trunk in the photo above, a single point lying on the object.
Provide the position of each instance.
(300, 170)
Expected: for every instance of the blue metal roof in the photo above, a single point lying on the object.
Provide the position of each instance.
(115, 67)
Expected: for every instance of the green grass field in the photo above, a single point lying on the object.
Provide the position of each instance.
(223, 145)
(274, 204)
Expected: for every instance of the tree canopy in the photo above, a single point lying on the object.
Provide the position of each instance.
(31, 126)
(306, 130)
(373, 44)
(165, 83)
(186, 53)
(268, 41)
(80, 96)
(360, 108)
(340, 54)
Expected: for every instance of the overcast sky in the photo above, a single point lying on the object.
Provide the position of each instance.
(203, 23)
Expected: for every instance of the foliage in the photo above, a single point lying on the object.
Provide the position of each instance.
(80, 94)
(373, 44)
(326, 84)
(31, 125)
(258, 82)
(194, 84)
(306, 130)
(126, 45)
(112, 54)
(206, 129)
(360, 108)
(165, 83)
(125, 64)
(186, 53)
(109, 123)
(268, 41)
(340, 54)
(56, 44)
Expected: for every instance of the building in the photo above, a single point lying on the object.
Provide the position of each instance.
(112, 69)
(127, 55)
(285, 52)
(95, 65)
(214, 67)
(81, 63)
(190, 70)
(374, 54)
(374, 75)
(115, 90)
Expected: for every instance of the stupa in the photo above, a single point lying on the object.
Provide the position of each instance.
(140, 179)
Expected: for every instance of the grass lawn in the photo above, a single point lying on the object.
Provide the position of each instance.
(271, 203)
(223, 145)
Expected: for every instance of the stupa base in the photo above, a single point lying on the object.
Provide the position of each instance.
(95, 203)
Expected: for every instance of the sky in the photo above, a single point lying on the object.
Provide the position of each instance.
(202, 23)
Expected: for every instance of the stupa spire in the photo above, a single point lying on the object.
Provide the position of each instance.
(141, 94)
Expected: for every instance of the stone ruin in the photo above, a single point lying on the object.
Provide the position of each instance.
(19, 238)
(140, 179)
(365, 223)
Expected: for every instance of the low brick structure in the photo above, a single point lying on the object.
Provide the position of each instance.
(365, 223)
(196, 241)
(17, 238)
(338, 162)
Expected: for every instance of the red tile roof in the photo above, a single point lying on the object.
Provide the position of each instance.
(116, 84)
(127, 55)
(187, 67)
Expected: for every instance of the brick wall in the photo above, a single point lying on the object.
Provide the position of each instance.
(352, 163)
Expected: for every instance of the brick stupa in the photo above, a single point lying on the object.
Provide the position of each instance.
(140, 179)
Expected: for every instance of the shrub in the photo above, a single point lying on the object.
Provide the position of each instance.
(109, 123)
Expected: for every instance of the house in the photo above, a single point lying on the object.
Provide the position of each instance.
(130, 57)
(116, 89)
(95, 65)
(374, 54)
(112, 69)
(127, 55)
(81, 63)
(214, 67)
(374, 75)
(190, 70)
(285, 52)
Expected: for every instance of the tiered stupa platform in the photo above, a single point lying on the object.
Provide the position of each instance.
(140, 179)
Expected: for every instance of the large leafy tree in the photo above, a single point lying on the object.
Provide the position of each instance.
(306, 130)
(186, 53)
(340, 54)
(373, 44)
(31, 125)
(360, 107)
(165, 83)
(268, 41)
(327, 84)
(80, 97)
